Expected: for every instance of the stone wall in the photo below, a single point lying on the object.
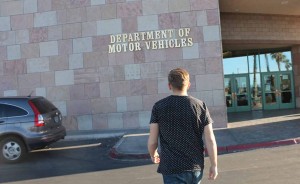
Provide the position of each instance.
(59, 49)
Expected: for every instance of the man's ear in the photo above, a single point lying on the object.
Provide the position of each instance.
(189, 85)
(170, 86)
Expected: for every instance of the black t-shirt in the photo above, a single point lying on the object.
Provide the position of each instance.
(181, 121)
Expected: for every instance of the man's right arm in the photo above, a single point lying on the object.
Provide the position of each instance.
(211, 146)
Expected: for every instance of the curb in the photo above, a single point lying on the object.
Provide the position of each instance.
(84, 137)
(113, 153)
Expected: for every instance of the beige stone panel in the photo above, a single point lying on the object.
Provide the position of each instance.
(58, 93)
(10, 93)
(13, 52)
(214, 65)
(212, 33)
(163, 85)
(85, 122)
(59, 63)
(76, 15)
(65, 77)
(31, 50)
(100, 121)
(151, 7)
(30, 6)
(194, 66)
(38, 65)
(11, 8)
(202, 18)
(89, 75)
(134, 103)
(115, 121)
(120, 88)
(40, 92)
(138, 87)
(209, 82)
(82, 45)
(44, 5)
(151, 70)
(55, 32)
(47, 79)
(121, 104)
(29, 81)
(104, 89)
(108, 27)
(70, 122)
(21, 21)
(109, 11)
(14, 67)
(45, 19)
(97, 2)
(179, 5)
(93, 13)
(7, 38)
(219, 116)
(75, 107)
(72, 30)
(191, 52)
(22, 36)
(95, 59)
(8, 82)
(147, 23)
(75, 61)
(89, 29)
(218, 98)
(144, 118)
(106, 74)
(131, 120)
(49, 48)
(104, 105)
(119, 73)
(5, 23)
(132, 71)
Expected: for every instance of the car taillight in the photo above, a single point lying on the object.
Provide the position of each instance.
(38, 118)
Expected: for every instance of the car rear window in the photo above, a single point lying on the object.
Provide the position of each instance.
(43, 105)
(7, 111)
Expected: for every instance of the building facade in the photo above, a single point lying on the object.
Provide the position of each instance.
(104, 63)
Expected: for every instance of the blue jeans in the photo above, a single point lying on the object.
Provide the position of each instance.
(188, 177)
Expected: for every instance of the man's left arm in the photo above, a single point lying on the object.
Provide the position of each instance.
(153, 142)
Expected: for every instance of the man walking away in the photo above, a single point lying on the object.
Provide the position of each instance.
(179, 121)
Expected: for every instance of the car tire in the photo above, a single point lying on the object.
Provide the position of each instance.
(12, 149)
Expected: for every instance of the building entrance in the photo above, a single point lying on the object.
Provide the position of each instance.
(259, 82)
(237, 93)
(278, 90)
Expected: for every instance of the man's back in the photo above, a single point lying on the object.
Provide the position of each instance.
(181, 121)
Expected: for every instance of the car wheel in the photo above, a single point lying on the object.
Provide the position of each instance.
(12, 150)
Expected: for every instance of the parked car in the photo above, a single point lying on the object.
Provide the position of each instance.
(27, 123)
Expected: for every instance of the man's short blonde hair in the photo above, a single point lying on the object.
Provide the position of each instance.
(179, 78)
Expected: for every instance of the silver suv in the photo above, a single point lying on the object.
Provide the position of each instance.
(27, 123)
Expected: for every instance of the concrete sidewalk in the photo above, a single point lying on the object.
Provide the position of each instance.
(250, 130)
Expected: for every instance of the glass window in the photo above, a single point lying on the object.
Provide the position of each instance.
(236, 65)
(43, 105)
(273, 62)
(11, 111)
(254, 64)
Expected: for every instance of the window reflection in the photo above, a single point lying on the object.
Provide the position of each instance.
(273, 62)
(236, 65)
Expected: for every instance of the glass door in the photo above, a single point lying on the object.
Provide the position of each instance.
(237, 92)
(278, 90)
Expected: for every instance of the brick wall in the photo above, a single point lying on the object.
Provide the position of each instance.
(59, 49)
(260, 27)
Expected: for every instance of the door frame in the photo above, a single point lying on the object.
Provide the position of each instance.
(279, 104)
(235, 107)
